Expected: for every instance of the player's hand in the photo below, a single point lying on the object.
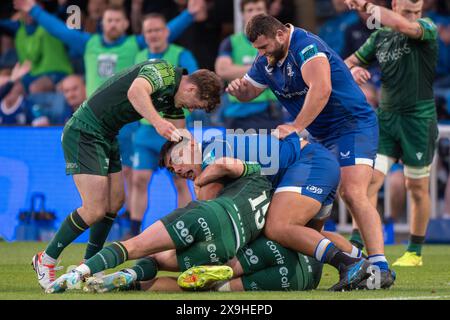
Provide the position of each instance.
(238, 87)
(20, 70)
(24, 5)
(282, 131)
(167, 130)
(196, 8)
(360, 75)
(356, 4)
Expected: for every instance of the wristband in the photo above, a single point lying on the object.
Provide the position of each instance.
(250, 168)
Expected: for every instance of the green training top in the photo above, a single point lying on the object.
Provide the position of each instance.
(108, 109)
(102, 62)
(46, 53)
(407, 68)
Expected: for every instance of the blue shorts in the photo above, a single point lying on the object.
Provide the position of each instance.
(147, 146)
(125, 138)
(359, 146)
(316, 175)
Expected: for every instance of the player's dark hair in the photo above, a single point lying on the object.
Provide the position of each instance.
(155, 15)
(209, 87)
(116, 7)
(165, 149)
(263, 25)
(245, 2)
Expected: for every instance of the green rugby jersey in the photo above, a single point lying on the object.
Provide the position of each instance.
(108, 109)
(246, 201)
(407, 66)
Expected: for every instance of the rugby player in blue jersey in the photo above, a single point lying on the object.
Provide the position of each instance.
(293, 165)
(315, 86)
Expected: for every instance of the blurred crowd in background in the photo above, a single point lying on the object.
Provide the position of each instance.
(43, 58)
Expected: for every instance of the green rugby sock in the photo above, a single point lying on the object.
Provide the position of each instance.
(109, 257)
(356, 239)
(415, 244)
(97, 235)
(70, 229)
(146, 269)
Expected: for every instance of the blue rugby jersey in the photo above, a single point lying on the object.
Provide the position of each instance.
(346, 109)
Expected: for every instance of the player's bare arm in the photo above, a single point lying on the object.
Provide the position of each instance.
(317, 76)
(139, 96)
(359, 73)
(389, 18)
(243, 90)
(221, 168)
(209, 191)
(228, 70)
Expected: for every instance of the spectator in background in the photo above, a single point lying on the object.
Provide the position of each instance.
(49, 60)
(74, 91)
(15, 108)
(109, 52)
(106, 54)
(203, 37)
(332, 31)
(147, 142)
(8, 54)
(236, 55)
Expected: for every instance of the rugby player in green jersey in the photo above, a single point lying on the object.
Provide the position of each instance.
(406, 49)
(204, 232)
(154, 90)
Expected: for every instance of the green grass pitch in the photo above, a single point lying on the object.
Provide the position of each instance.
(432, 281)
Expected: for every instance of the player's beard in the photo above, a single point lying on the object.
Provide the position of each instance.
(276, 55)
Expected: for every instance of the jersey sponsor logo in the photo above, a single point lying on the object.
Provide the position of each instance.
(314, 189)
(419, 155)
(391, 55)
(345, 155)
(292, 94)
(284, 272)
(308, 52)
(206, 229)
(106, 64)
(278, 256)
(211, 248)
(183, 233)
(252, 258)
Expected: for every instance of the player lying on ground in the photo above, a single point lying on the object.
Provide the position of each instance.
(91, 149)
(204, 232)
(305, 184)
(213, 230)
(261, 265)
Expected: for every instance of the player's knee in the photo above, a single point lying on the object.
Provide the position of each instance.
(139, 182)
(274, 231)
(95, 212)
(417, 188)
(117, 202)
(352, 196)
